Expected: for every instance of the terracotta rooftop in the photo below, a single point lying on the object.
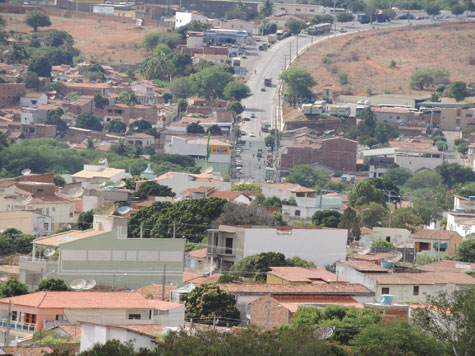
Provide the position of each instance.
(422, 278)
(27, 350)
(448, 266)
(65, 237)
(201, 253)
(371, 257)
(155, 290)
(435, 234)
(188, 277)
(307, 275)
(221, 194)
(326, 288)
(87, 300)
(291, 187)
(364, 266)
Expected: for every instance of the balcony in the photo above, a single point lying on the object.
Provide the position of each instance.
(220, 251)
(18, 326)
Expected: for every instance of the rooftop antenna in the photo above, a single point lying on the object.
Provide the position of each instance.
(105, 162)
(324, 332)
(90, 283)
(26, 172)
(123, 210)
(77, 284)
(49, 252)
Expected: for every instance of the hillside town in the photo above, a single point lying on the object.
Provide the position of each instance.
(237, 178)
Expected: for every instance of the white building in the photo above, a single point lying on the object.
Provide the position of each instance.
(235, 24)
(33, 100)
(184, 18)
(179, 182)
(229, 244)
(398, 237)
(463, 223)
(96, 334)
(393, 115)
(197, 147)
(304, 10)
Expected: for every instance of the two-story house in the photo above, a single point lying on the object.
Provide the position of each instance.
(434, 242)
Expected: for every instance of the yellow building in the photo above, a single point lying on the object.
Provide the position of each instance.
(124, 13)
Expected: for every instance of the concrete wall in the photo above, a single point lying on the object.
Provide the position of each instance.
(27, 222)
(173, 318)
(404, 293)
(321, 246)
(353, 276)
(415, 163)
(182, 181)
(399, 237)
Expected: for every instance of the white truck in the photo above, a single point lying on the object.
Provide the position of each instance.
(272, 39)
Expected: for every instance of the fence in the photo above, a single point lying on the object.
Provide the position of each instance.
(408, 253)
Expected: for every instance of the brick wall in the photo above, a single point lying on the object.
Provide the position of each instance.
(321, 125)
(43, 178)
(10, 93)
(278, 314)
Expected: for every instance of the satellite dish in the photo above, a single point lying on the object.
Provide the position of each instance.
(77, 284)
(364, 251)
(3, 277)
(49, 252)
(210, 268)
(103, 185)
(207, 170)
(120, 184)
(324, 332)
(123, 210)
(103, 160)
(26, 172)
(394, 258)
(90, 283)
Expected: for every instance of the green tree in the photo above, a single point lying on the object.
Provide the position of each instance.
(54, 117)
(450, 319)
(423, 179)
(296, 261)
(364, 193)
(41, 66)
(345, 17)
(350, 221)
(236, 91)
(206, 302)
(52, 284)
(458, 9)
(32, 81)
(56, 38)
(420, 79)
(466, 251)
(157, 66)
(116, 125)
(195, 128)
(12, 288)
(100, 102)
(321, 19)
(215, 130)
(348, 321)
(453, 173)
(270, 27)
(383, 132)
(182, 88)
(235, 108)
(59, 181)
(211, 81)
(247, 187)
(466, 190)
(85, 220)
(14, 241)
(37, 19)
(432, 9)
(299, 83)
(295, 26)
(153, 189)
(128, 98)
(258, 265)
(458, 90)
(182, 105)
(406, 218)
(86, 120)
(373, 214)
(327, 218)
(267, 9)
(140, 126)
(238, 214)
(399, 337)
(397, 176)
(306, 176)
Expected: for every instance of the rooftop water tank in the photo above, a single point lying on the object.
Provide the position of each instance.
(386, 299)
(385, 264)
(471, 197)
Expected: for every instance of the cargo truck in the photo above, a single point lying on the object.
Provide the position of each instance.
(268, 82)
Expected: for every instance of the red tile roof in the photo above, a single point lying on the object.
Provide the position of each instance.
(422, 278)
(201, 253)
(155, 291)
(365, 266)
(448, 266)
(324, 288)
(85, 300)
(435, 234)
(371, 257)
(300, 274)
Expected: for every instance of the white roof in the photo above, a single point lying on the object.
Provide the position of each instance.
(379, 152)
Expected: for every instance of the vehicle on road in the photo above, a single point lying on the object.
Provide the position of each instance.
(319, 29)
(272, 39)
(252, 134)
(247, 119)
(263, 89)
(268, 82)
(253, 116)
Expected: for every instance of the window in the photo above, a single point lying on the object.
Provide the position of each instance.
(46, 226)
(385, 290)
(14, 315)
(134, 317)
(59, 317)
(297, 212)
(388, 238)
(229, 246)
(30, 318)
(415, 290)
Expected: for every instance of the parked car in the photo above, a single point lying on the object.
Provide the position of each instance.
(253, 116)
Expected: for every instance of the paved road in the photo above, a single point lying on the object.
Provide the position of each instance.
(269, 64)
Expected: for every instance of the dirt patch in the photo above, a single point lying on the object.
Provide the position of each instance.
(366, 57)
(108, 42)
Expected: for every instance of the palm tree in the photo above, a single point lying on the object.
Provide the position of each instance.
(128, 98)
(267, 8)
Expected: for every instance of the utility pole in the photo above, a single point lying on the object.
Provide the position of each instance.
(214, 322)
(174, 230)
(297, 50)
(7, 332)
(164, 279)
(268, 315)
(290, 53)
